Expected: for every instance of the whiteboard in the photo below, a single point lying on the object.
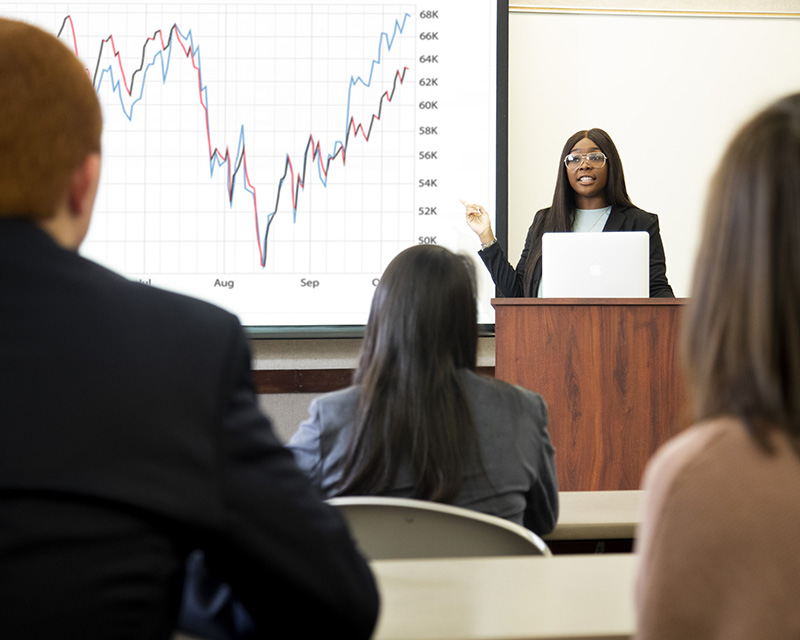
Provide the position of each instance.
(670, 90)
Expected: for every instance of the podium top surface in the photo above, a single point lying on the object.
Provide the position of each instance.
(588, 302)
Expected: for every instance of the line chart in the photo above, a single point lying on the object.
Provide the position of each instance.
(273, 157)
(218, 159)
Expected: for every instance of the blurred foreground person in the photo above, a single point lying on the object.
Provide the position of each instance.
(718, 543)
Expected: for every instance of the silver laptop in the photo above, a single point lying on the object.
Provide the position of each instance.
(610, 264)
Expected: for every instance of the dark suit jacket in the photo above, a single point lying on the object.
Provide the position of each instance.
(510, 281)
(130, 435)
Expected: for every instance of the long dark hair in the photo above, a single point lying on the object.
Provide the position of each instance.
(741, 341)
(412, 409)
(561, 215)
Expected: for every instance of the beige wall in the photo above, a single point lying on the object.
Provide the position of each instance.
(670, 86)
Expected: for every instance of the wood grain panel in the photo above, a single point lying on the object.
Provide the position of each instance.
(312, 380)
(608, 370)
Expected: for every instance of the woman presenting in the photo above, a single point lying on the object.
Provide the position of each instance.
(590, 195)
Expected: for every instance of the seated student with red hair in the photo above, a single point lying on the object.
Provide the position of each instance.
(129, 428)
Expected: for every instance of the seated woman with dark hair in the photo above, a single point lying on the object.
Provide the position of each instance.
(718, 541)
(419, 422)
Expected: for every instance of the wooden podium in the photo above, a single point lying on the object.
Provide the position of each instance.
(608, 370)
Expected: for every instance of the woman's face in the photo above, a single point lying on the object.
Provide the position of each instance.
(587, 180)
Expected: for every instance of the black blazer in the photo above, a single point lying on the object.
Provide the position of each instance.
(510, 281)
(130, 435)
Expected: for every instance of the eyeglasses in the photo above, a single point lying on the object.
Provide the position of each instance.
(594, 160)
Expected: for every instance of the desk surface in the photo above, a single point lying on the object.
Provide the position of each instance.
(595, 515)
(538, 598)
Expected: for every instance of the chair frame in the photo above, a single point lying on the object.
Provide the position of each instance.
(393, 528)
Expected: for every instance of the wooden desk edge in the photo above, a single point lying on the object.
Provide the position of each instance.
(616, 531)
(598, 515)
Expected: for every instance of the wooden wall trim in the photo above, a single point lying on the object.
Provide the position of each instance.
(312, 380)
(700, 8)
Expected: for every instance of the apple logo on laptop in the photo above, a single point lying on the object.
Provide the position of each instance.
(595, 271)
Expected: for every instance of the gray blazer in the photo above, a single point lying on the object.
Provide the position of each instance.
(520, 482)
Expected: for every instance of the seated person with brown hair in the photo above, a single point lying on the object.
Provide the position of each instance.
(718, 540)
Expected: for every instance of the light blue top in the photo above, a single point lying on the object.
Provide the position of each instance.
(591, 220)
(586, 221)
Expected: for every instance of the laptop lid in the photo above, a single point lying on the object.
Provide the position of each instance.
(611, 264)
